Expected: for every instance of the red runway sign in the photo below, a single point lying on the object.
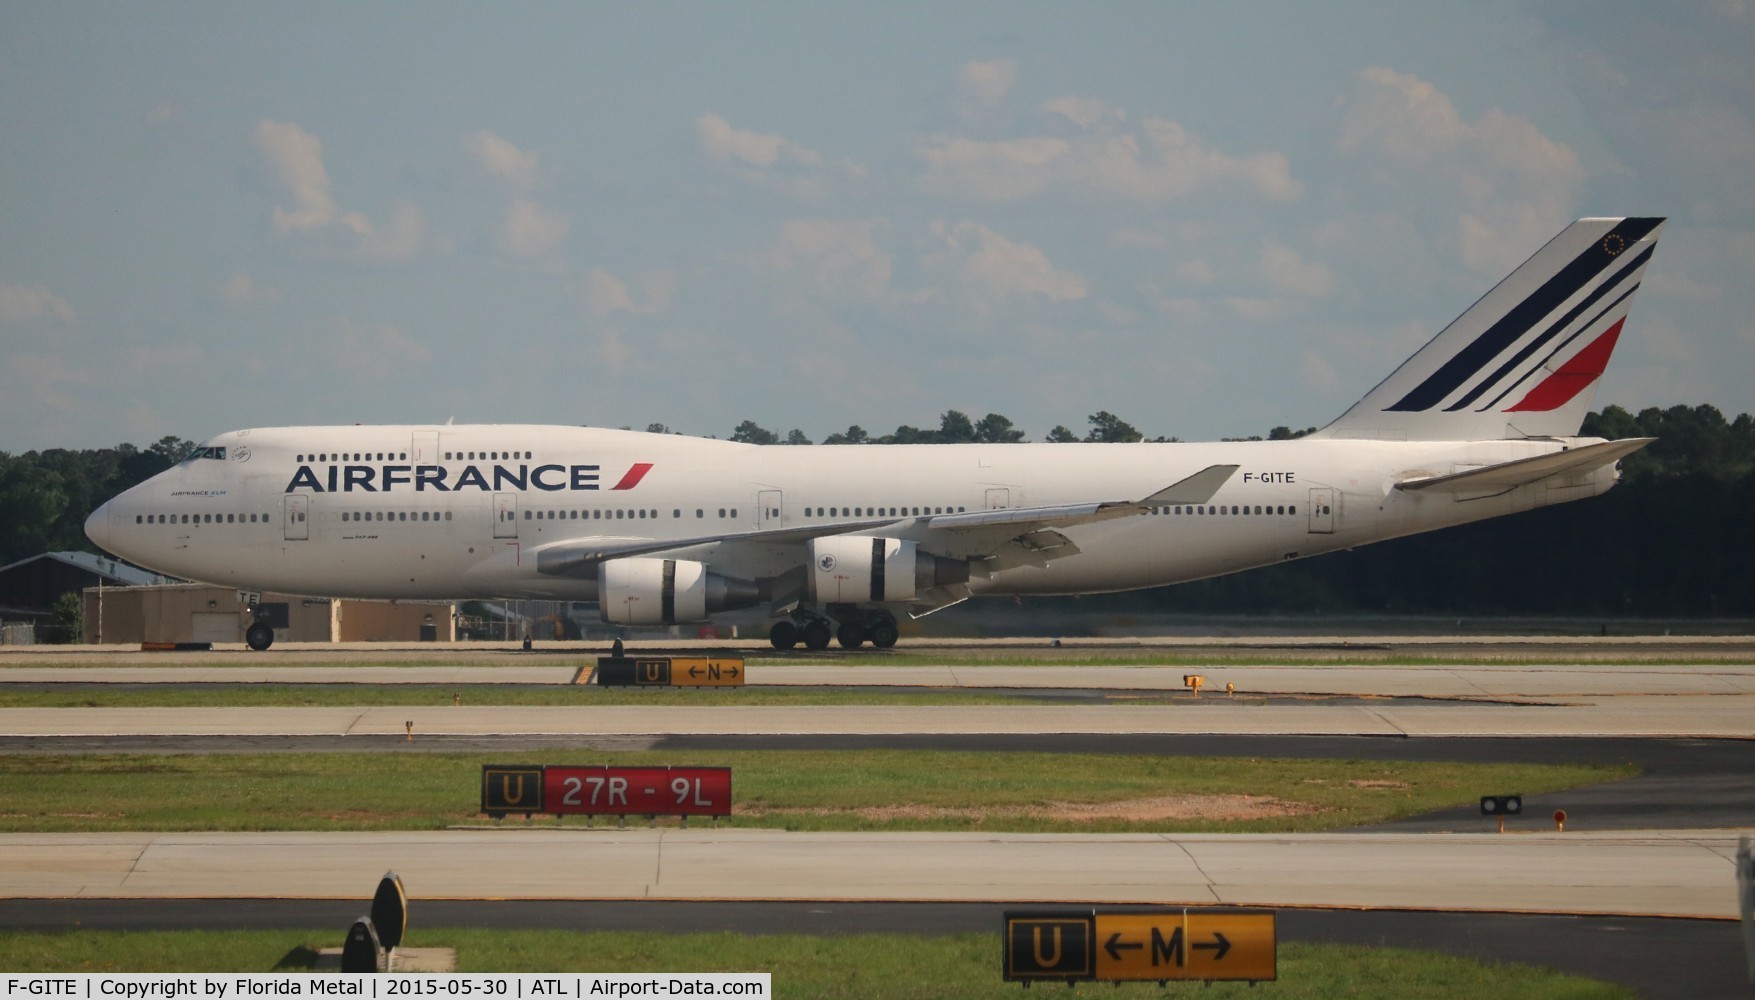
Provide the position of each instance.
(637, 791)
(558, 790)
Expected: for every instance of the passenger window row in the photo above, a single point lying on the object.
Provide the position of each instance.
(880, 511)
(476, 456)
(614, 515)
(1240, 510)
(354, 456)
(200, 519)
(394, 515)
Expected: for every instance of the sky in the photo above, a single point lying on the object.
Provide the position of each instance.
(1209, 219)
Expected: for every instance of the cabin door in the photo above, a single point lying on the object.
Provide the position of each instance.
(1322, 511)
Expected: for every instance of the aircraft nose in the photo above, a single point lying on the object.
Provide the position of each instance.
(97, 527)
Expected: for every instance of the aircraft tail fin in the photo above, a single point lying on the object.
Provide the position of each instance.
(1524, 360)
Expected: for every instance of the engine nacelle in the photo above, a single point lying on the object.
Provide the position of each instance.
(853, 570)
(666, 592)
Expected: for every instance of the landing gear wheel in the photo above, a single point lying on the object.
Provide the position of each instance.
(259, 636)
(784, 635)
(883, 633)
(850, 635)
(816, 635)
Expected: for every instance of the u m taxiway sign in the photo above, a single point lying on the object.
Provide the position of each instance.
(1135, 945)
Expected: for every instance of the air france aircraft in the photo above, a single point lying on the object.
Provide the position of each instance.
(836, 541)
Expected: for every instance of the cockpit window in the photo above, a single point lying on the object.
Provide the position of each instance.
(205, 452)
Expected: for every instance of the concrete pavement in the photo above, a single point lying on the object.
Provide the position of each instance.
(1674, 873)
(1721, 716)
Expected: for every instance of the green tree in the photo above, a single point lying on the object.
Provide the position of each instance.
(907, 434)
(1288, 434)
(69, 620)
(854, 434)
(1061, 435)
(1109, 428)
(749, 432)
(995, 429)
(32, 506)
(796, 436)
(955, 427)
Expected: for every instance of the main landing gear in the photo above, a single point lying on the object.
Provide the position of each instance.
(852, 628)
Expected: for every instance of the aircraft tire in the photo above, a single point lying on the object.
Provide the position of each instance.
(816, 635)
(883, 632)
(784, 635)
(850, 635)
(259, 636)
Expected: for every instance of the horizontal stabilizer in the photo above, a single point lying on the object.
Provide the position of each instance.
(1524, 471)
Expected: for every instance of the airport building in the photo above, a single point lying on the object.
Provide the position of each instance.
(194, 612)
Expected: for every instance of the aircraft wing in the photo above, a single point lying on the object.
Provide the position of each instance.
(1507, 475)
(998, 539)
(1029, 536)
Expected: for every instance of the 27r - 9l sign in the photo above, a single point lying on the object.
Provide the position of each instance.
(637, 791)
(558, 790)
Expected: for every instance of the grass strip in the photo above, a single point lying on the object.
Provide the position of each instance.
(894, 966)
(829, 790)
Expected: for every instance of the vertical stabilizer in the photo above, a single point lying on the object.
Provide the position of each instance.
(1524, 360)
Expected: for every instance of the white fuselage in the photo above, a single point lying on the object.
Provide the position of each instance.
(456, 512)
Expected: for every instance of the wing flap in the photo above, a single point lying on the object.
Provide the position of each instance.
(1522, 472)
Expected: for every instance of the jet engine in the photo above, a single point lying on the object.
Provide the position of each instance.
(666, 591)
(851, 569)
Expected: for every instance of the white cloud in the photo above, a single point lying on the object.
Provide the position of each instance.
(990, 269)
(1195, 272)
(368, 353)
(25, 303)
(606, 294)
(502, 159)
(772, 160)
(243, 290)
(755, 149)
(1506, 185)
(839, 257)
(1156, 162)
(531, 231)
(1287, 271)
(1084, 112)
(294, 159)
(982, 85)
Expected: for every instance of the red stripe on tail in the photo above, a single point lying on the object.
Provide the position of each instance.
(1574, 376)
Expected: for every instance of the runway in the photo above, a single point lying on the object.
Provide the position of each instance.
(1661, 845)
(1685, 873)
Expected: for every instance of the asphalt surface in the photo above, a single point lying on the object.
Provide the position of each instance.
(1657, 958)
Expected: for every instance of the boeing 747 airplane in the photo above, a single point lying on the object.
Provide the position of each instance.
(836, 541)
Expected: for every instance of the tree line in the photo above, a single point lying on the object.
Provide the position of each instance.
(1674, 539)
